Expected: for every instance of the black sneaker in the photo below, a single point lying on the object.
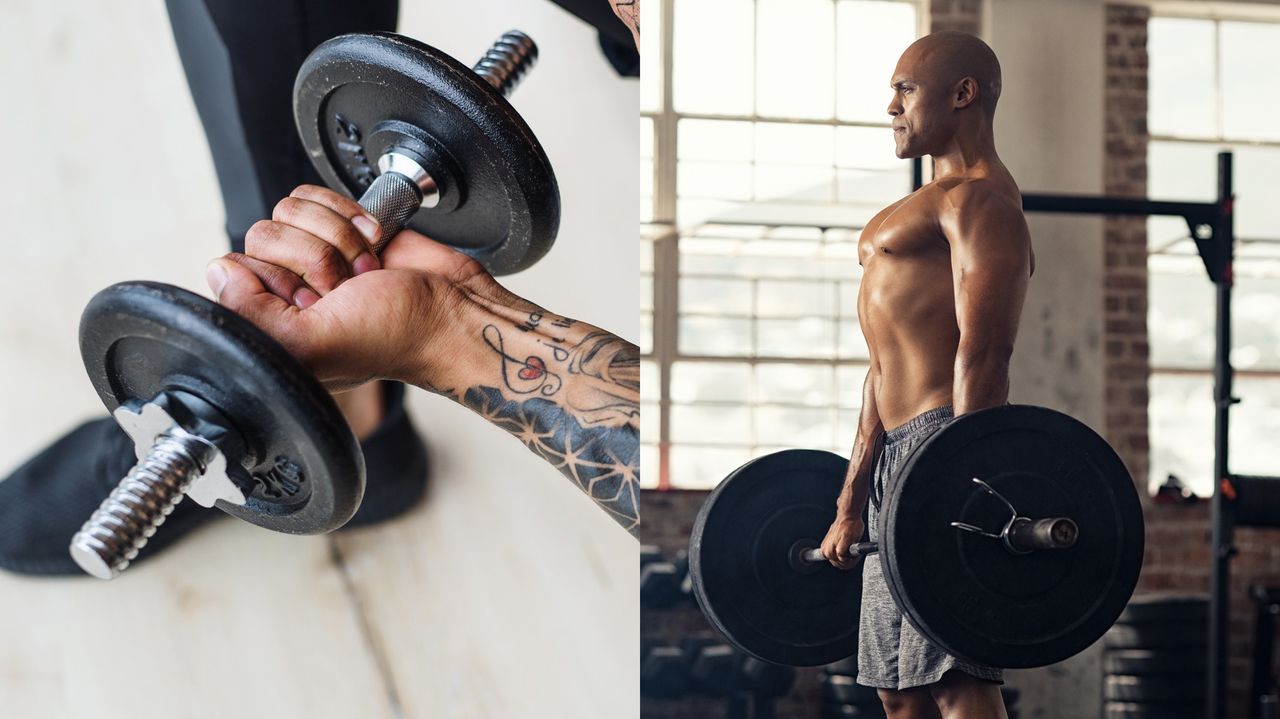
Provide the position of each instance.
(45, 501)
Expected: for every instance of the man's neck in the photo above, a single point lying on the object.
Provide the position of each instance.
(968, 155)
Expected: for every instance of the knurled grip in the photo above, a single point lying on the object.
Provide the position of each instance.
(392, 199)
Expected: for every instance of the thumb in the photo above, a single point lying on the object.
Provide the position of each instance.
(237, 288)
(411, 250)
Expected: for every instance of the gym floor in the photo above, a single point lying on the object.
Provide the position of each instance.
(507, 594)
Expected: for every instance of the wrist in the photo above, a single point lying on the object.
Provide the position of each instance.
(449, 351)
(483, 336)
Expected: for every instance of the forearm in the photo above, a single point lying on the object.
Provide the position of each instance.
(981, 379)
(628, 11)
(566, 389)
(853, 495)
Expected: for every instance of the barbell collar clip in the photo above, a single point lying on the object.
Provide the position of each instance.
(1022, 535)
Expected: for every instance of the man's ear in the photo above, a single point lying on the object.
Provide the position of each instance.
(966, 92)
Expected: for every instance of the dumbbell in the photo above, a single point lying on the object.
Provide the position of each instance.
(716, 669)
(649, 553)
(659, 585)
(664, 673)
(220, 412)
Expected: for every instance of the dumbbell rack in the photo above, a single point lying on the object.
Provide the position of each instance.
(1155, 658)
(700, 664)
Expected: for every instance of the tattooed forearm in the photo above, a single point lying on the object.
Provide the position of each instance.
(522, 376)
(602, 461)
(607, 386)
(596, 375)
(569, 391)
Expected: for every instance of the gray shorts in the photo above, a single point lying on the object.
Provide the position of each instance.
(891, 653)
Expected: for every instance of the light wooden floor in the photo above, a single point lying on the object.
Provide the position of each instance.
(506, 595)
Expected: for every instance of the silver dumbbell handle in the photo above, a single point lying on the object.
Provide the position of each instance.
(403, 185)
(394, 197)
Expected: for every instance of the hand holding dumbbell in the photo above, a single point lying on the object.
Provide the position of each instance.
(221, 412)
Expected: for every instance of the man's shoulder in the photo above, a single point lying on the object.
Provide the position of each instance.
(960, 194)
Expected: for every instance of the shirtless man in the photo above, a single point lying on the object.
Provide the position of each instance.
(945, 272)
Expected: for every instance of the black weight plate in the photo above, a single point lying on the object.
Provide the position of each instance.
(1162, 607)
(740, 567)
(356, 96)
(1145, 662)
(1151, 689)
(1127, 710)
(844, 690)
(966, 592)
(140, 338)
(1157, 636)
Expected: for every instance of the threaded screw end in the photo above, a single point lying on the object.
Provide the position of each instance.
(129, 516)
(507, 61)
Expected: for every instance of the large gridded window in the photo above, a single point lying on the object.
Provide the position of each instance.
(1209, 90)
(765, 145)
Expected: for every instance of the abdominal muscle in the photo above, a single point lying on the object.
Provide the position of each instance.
(906, 308)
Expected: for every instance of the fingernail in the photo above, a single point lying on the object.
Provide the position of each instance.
(217, 278)
(305, 297)
(365, 263)
(367, 227)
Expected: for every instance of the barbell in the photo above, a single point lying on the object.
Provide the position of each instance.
(1011, 537)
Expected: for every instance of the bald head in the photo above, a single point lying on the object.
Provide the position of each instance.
(949, 56)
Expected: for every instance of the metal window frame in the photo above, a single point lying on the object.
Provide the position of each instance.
(666, 260)
(1224, 517)
(1217, 17)
(667, 316)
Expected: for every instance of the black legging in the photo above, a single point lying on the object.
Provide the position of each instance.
(241, 58)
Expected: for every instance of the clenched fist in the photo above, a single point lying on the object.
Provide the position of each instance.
(843, 534)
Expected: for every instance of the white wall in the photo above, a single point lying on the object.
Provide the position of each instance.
(1049, 131)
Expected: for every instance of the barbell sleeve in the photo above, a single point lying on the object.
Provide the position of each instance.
(1026, 535)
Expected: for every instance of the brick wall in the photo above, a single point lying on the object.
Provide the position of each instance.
(1178, 555)
(1127, 360)
(1178, 551)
